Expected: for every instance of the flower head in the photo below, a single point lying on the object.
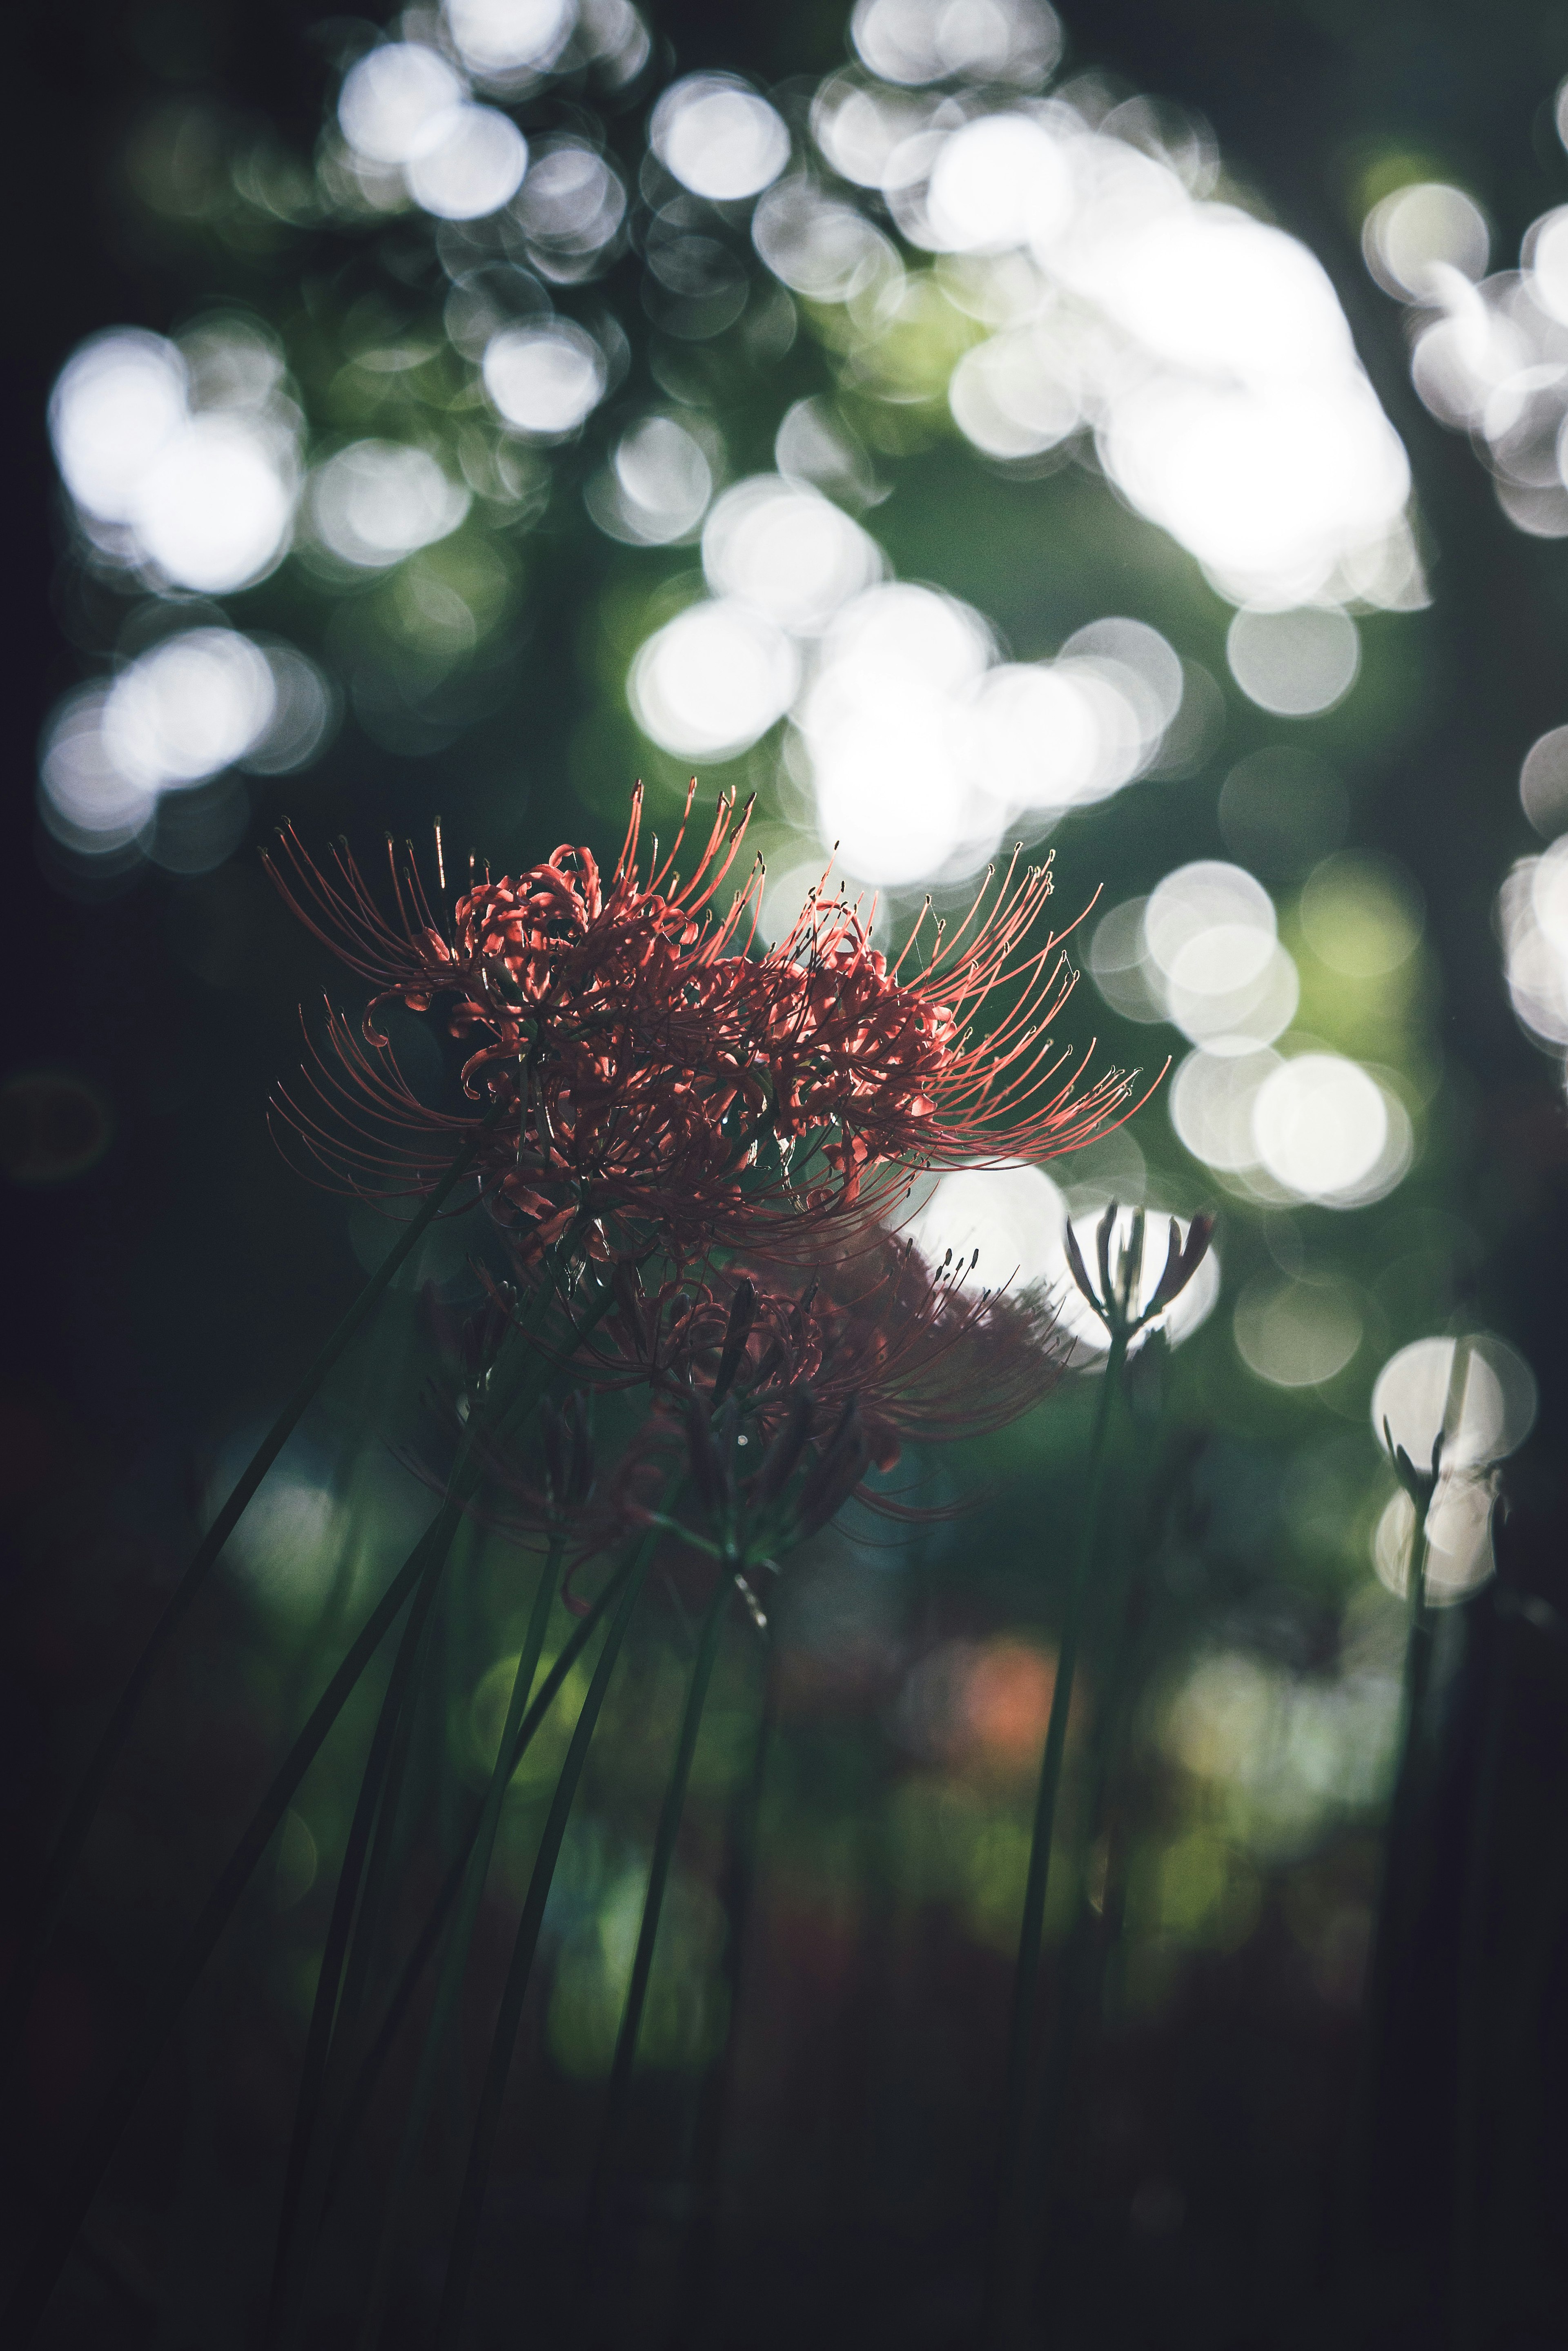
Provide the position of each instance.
(887, 1055)
(922, 1355)
(1116, 1301)
(651, 1081)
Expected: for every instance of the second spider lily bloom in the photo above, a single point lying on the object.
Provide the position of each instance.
(889, 1055)
(1119, 1302)
(926, 1356)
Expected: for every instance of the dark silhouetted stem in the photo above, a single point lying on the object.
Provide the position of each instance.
(740, 1881)
(429, 1935)
(324, 2008)
(1473, 2013)
(36, 2283)
(1393, 1866)
(470, 2208)
(1001, 2279)
(449, 1987)
(618, 2094)
(84, 1807)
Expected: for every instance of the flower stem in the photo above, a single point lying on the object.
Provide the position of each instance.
(738, 1886)
(31, 2292)
(429, 1936)
(323, 2009)
(84, 1807)
(1471, 2030)
(449, 1985)
(618, 2094)
(470, 2208)
(1393, 1880)
(1002, 2282)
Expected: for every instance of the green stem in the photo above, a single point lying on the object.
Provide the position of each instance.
(1472, 2011)
(1393, 1862)
(449, 1985)
(739, 1890)
(31, 2292)
(466, 2229)
(617, 2093)
(429, 1936)
(324, 2007)
(1078, 1966)
(1002, 2278)
(84, 1807)
(330, 2068)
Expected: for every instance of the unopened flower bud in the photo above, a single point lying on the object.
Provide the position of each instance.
(835, 1475)
(782, 1457)
(742, 1314)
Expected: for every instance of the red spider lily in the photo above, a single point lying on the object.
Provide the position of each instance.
(777, 1395)
(653, 1082)
(924, 1357)
(610, 1036)
(887, 1055)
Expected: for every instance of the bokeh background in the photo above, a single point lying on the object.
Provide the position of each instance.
(1137, 434)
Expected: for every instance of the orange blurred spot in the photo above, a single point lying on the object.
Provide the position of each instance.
(1006, 1700)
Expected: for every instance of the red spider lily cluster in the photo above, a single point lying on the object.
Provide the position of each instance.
(758, 1373)
(648, 1080)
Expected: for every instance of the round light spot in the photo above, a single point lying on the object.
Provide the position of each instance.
(888, 725)
(1212, 1098)
(1484, 1412)
(786, 551)
(305, 711)
(1297, 1333)
(1414, 236)
(571, 207)
(1294, 663)
(1195, 902)
(914, 41)
(472, 167)
(1543, 783)
(213, 508)
(1119, 960)
(1013, 1216)
(1045, 738)
(714, 134)
(189, 708)
(999, 182)
(826, 251)
(116, 402)
(1009, 396)
(376, 501)
(662, 483)
(713, 680)
(87, 801)
(497, 37)
(1361, 915)
(544, 379)
(395, 101)
(1458, 1541)
(1320, 1124)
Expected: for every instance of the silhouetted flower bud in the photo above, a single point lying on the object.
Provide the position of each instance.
(835, 1475)
(782, 1457)
(742, 1314)
(1181, 1262)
